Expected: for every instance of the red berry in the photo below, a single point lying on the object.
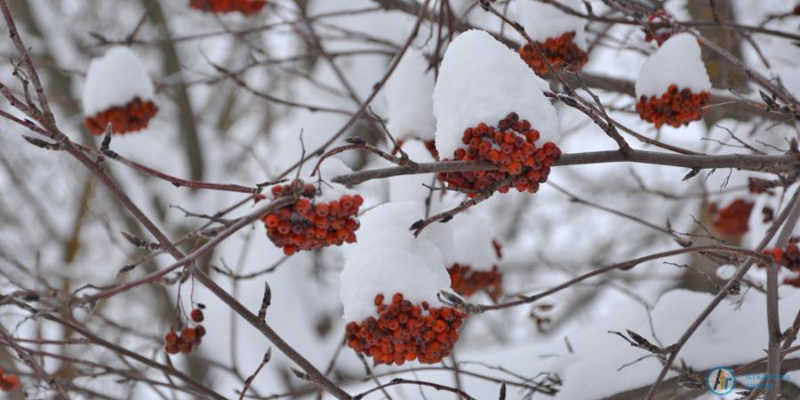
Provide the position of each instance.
(197, 315)
(171, 337)
(188, 334)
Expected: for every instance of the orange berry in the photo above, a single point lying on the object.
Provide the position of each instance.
(171, 338)
(272, 221)
(303, 206)
(172, 348)
(347, 202)
(321, 209)
(397, 298)
(188, 334)
(335, 208)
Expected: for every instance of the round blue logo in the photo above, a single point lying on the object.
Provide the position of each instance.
(721, 381)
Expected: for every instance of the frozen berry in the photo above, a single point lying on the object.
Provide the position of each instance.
(197, 315)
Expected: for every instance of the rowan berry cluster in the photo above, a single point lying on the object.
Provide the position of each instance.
(404, 332)
(189, 337)
(788, 258)
(654, 30)
(732, 220)
(8, 382)
(512, 147)
(561, 52)
(674, 107)
(132, 117)
(466, 281)
(246, 7)
(307, 225)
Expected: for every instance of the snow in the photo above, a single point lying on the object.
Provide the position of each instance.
(409, 98)
(726, 271)
(387, 259)
(481, 80)
(472, 234)
(114, 80)
(331, 167)
(542, 21)
(785, 64)
(410, 187)
(676, 62)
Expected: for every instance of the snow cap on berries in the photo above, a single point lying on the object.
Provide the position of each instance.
(329, 190)
(114, 80)
(543, 21)
(410, 187)
(390, 260)
(482, 80)
(676, 62)
(409, 98)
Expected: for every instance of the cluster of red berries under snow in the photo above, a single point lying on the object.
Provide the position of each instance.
(405, 332)
(309, 223)
(673, 86)
(560, 52)
(511, 146)
(125, 103)
(131, 117)
(674, 107)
